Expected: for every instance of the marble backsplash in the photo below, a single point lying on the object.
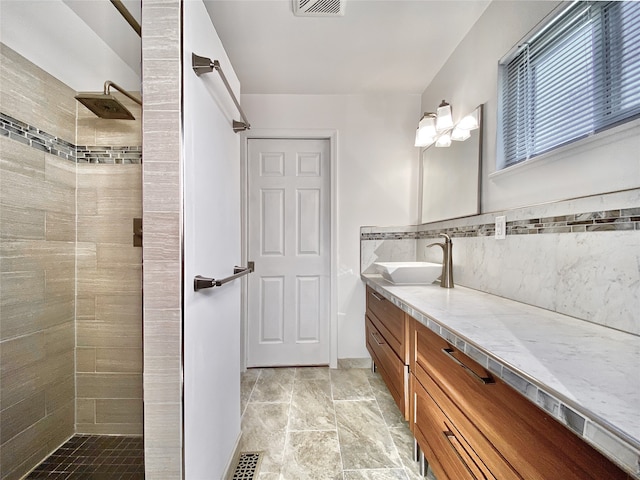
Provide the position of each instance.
(578, 257)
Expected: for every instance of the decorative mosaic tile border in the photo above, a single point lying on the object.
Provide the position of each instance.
(113, 155)
(36, 138)
(601, 221)
(41, 140)
(590, 429)
(390, 236)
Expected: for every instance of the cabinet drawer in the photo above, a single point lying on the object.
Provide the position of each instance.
(392, 370)
(454, 448)
(532, 441)
(390, 322)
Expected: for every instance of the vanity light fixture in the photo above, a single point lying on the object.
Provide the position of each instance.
(439, 128)
(444, 117)
(426, 132)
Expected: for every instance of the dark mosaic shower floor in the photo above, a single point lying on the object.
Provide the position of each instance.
(95, 457)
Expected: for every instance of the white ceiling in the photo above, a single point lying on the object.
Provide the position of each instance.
(378, 46)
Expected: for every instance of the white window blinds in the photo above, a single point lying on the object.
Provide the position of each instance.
(579, 75)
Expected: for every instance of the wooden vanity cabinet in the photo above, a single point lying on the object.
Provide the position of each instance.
(471, 424)
(387, 334)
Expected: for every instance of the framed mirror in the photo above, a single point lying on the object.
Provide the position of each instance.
(451, 177)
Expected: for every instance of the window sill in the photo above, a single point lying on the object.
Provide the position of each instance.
(611, 135)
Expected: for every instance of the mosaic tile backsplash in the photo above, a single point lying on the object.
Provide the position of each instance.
(579, 257)
(41, 140)
(601, 221)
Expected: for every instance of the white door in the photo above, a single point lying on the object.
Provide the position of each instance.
(289, 241)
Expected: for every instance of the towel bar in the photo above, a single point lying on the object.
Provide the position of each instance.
(202, 65)
(200, 282)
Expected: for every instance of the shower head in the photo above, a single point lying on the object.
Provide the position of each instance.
(105, 105)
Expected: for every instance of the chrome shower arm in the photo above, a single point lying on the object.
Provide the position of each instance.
(108, 84)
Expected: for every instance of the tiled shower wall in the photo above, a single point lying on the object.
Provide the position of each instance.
(578, 257)
(109, 301)
(39, 181)
(109, 291)
(37, 264)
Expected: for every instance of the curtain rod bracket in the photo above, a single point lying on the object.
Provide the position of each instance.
(202, 65)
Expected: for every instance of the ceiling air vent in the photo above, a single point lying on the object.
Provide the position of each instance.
(318, 8)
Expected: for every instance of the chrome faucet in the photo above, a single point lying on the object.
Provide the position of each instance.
(446, 279)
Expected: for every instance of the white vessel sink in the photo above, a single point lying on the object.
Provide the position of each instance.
(409, 272)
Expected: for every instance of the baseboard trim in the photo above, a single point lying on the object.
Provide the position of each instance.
(229, 470)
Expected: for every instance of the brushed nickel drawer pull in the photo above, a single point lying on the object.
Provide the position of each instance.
(451, 438)
(484, 380)
(377, 297)
(375, 337)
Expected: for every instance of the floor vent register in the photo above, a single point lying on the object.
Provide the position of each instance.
(247, 466)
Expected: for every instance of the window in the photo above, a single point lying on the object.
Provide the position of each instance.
(577, 76)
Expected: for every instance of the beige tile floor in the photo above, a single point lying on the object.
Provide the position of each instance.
(318, 423)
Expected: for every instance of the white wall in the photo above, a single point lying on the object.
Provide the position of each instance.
(377, 177)
(211, 248)
(470, 77)
(51, 35)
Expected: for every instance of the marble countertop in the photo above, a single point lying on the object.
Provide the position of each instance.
(566, 365)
